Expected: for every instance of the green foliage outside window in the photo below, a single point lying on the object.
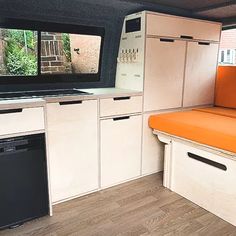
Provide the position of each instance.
(20, 52)
(66, 46)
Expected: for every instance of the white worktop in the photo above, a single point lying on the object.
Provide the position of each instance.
(96, 93)
(39, 102)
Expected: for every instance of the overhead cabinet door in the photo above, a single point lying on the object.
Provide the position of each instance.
(200, 74)
(73, 147)
(180, 27)
(164, 72)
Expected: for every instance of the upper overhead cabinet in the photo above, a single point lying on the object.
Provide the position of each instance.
(180, 27)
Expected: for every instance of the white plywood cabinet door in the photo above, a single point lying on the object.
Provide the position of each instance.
(181, 27)
(164, 73)
(152, 149)
(73, 148)
(120, 149)
(200, 74)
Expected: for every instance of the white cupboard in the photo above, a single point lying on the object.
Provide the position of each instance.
(120, 149)
(200, 74)
(73, 148)
(182, 27)
(164, 73)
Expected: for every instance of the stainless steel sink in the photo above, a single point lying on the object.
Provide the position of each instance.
(42, 93)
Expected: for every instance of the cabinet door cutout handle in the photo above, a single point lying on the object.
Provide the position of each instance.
(121, 118)
(167, 40)
(70, 102)
(121, 98)
(11, 111)
(204, 43)
(207, 161)
(186, 37)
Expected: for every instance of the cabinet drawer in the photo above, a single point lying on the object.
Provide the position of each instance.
(21, 120)
(120, 105)
(206, 179)
(173, 26)
(120, 149)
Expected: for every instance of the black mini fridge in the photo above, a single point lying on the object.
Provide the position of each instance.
(23, 180)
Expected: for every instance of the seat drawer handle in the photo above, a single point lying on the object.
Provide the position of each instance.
(186, 37)
(70, 102)
(121, 118)
(167, 40)
(121, 98)
(207, 161)
(11, 111)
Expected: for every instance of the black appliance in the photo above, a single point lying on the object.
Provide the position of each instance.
(23, 180)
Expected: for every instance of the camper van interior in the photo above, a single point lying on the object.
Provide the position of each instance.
(117, 117)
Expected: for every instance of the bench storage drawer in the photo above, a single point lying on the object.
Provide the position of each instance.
(120, 105)
(206, 179)
(21, 120)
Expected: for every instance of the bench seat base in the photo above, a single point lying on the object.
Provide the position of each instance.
(204, 177)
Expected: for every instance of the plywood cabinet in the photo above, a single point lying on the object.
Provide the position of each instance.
(164, 73)
(200, 73)
(120, 105)
(181, 27)
(73, 148)
(21, 120)
(120, 149)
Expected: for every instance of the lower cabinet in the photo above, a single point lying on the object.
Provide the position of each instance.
(73, 148)
(120, 149)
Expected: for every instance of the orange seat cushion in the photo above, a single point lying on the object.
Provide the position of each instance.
(218, 111)
(202, 127)
(225, 93)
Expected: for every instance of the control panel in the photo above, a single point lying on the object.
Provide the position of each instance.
(128, 55)
(130, 59)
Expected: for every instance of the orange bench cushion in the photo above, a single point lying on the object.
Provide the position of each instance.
(225, 95)
(202, 127)
(218, 111)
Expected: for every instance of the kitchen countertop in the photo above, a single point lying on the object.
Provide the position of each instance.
(97, 93)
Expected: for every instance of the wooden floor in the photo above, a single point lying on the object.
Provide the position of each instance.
(141, 207)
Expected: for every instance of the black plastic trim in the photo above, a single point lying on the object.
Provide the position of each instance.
(121, 98)
(121, 118)
(11, 111)
(70, 102)
(167, 40)
(186, 37)
(204, 43)
(207, 161)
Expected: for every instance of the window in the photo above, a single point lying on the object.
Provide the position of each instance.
(63, 53)
(49, 52)
(18, 52)
(227, 54)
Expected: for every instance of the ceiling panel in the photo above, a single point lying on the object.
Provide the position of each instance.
(183, 4)
(220, 13)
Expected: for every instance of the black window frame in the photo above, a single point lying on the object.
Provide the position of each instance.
(41, 26)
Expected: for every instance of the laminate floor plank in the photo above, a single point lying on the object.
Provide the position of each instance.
(142, 207)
